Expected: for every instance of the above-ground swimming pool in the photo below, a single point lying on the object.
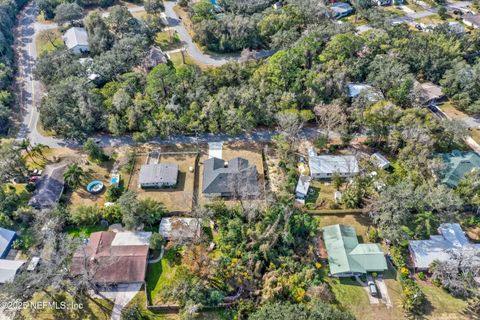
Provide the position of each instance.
(95, 186)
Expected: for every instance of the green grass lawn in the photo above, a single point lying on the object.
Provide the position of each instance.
(322, 196)
(167, 40)
(43, 45)
(84, 232)
(20, 190)
(360, 222)
(441, 304)
(177, 60)
(160, 274)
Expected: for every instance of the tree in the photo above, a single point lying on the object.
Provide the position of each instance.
(12, 164)
(136, 212)
(157, 241)
(68, 12)
(49, 36)
(425, 223)
(154, 6)
(329, 117)
(74, 176)
(99, 37)
(121, 22)
(442, 13)
(459, 273)
(93, 150)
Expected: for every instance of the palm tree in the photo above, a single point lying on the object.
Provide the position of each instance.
(73, 176)
(37, 150)
(26, 146)
(424, 221)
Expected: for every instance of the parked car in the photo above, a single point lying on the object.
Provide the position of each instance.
(33, 179)
(373, 288)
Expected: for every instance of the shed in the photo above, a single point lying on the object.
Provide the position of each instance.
(355, 90)
(8, 269)
(341, 9)
(303, 184)
(380, 161)
(176, 228)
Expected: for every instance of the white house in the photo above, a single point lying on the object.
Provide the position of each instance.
(301, 191)
(76, 40)
(158, 175)
(451, 238)
(325, 166)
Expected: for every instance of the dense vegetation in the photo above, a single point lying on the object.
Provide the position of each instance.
(8, 13)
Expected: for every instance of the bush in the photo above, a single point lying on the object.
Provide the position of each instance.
(397, 255)
(114, 192)
(321, 141)
(412, 297)
(373, 235)
(157, 241)
(421, 276)
(86, 215)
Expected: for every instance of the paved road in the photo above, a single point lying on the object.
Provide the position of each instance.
(191, 48)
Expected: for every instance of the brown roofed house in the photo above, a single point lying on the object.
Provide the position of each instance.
(113, 257)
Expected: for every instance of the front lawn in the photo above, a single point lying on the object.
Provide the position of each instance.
(441, 305)
(44, 45)
(167, 40)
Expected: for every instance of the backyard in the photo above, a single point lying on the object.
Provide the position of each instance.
(360, 222)
(161, 274)
(441, 305)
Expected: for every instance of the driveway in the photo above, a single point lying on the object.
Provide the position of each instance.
(121, 296)
(372, 300)
(382, 287)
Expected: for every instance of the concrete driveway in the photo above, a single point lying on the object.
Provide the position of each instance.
(372, 300)
(382, 287)
(120, 296)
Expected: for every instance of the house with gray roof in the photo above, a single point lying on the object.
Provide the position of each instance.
(325, 166)
(154, 57)
(158, 175)
(178, 228)
(76, 40)
(450, 238)
(49, 188)
(234, 178)
(301, 191)
(347, 257)
(6, 239)
(457, 164)
(379, 160)
(369, 92)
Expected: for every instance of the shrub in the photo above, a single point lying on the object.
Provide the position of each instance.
(156, 241)
(373, 235)
(86, 215)
(114, 192)
(421, 276)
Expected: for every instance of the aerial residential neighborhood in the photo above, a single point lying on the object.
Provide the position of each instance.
(240, 160)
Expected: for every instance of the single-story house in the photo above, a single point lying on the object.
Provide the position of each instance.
(76, 40)
(114, 257)
(9, 269)
(450, 238)
(6, 239)
(371, 93)
(471, 20)
(379, 160)
(49, 188)
(153, 58)
(458, 164)
(235, 178)
(325, 166)
(176, 228)
(301, 191)
(347, 257)
(341, 9)
(432, 92)
(277, 5)
(158, 175)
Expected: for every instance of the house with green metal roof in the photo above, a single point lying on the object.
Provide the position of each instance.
(348, 257)
(457, 164)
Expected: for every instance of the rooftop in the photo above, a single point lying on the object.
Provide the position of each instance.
(370, 92)
(380, 160)
(347, 256)
(6, 237)
(161, 173)
(112, 259)
(8, 269)
(333, 163)
(75, 36)
(176, 228)
(154, 57)
(472, 18)
(438, 247)
(457, 165)
(236, 176)
(49, 188)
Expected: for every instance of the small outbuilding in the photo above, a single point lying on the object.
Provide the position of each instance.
(301, 191)
(158, 175)
(380, 161)
(9, 269)
(176, 228)
(341, 9)
(76, 40)
(371, 93)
